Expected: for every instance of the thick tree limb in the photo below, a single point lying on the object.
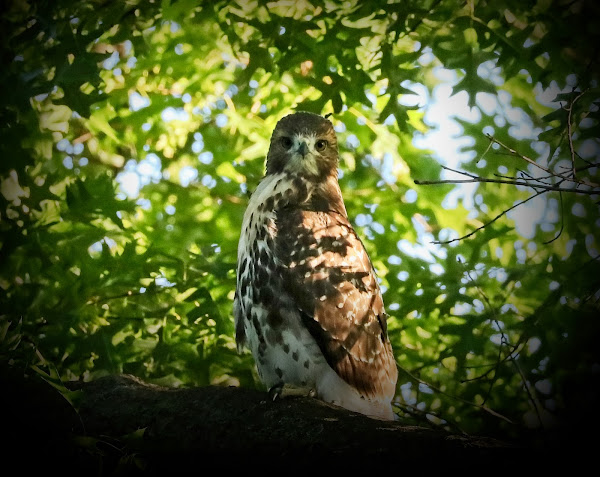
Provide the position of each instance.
(217, 420)
(123, 424)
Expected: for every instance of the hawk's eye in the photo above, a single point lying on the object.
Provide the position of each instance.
(320, 145)
(286, 142)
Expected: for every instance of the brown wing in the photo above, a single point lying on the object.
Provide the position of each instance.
(327, 271)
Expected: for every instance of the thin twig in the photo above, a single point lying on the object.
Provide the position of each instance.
(504, 339)
(528, 178)
(436, 389)
(422, 416)
(562, 221)
(459, 172)
(528, 391)
(532, 162)
(492, 366)
(515, 153)
(515, 182)
(491, 221)
(570, 132)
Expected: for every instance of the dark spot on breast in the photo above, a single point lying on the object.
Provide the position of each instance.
(269, 203)
(264, 257)
(297, 183)
(272, 271)
(256, 325)
(275, 320)
(306, 364)
(286, 348)
(273, 336)
(262, 276)
(295, 355)
(279, 372)
(260, 233)
(301, 189)
(265, 295)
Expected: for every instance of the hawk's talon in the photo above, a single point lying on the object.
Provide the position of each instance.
(276, 391)
(284, 390)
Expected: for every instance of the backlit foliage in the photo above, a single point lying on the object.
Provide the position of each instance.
(134, 132)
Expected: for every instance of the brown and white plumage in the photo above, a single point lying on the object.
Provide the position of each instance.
(307, 302)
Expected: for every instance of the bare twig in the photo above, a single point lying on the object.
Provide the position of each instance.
(504, 339)
(493, 366)
(593, 191)
(533, 180)
(562, 222)
(528, 177)
(491, 221)
(545, 169)
(532, 398)
(538, 184)
(422, 416)
(515, 153)
(473, 176)
(570, 131)
(456, 398)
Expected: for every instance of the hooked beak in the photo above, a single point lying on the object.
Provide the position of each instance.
(303, 149)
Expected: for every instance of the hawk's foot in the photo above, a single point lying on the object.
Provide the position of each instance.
(284, 390)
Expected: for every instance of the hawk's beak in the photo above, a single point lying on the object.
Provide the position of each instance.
(303, 149)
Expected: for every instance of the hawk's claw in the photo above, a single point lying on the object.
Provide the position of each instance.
(283, 390)
(275, 391)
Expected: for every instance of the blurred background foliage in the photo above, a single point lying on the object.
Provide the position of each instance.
(134, 132)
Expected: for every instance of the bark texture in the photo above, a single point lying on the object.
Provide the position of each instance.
(124, 426)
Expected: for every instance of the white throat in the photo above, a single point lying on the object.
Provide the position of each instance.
(303, 163)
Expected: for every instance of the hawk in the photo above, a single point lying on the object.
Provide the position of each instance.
(307, 301)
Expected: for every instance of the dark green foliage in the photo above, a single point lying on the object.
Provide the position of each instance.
(494, 331)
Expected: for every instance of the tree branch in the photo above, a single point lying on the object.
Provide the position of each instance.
(456, 398)
(491, 221)
(570, 131)
(525, 183)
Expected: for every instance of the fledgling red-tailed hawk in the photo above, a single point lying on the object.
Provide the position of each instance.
(307, 302)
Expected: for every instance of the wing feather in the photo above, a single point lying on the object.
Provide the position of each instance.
(326, 270)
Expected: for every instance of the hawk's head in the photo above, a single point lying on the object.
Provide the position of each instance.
(305, 144)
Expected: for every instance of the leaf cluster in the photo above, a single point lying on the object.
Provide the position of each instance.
(135, 131)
